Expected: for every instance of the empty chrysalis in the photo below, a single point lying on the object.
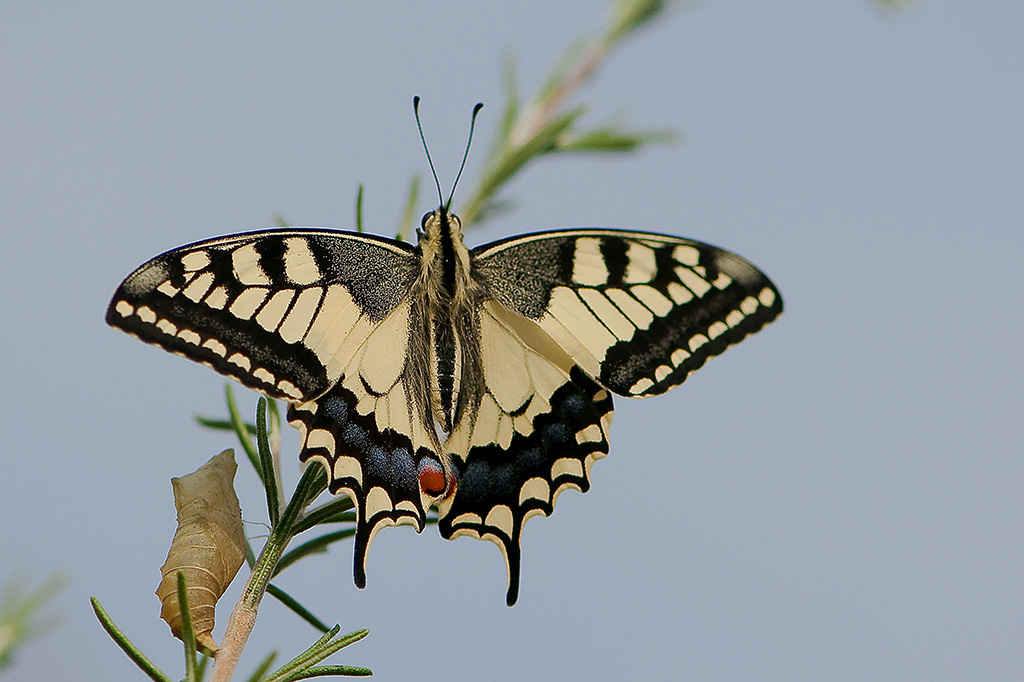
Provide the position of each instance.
(208, 546)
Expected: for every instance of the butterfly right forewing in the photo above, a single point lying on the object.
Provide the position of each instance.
(637, 311)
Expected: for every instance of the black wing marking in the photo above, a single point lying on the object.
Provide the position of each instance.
(637, 311)
(277, 309)
(540, 425)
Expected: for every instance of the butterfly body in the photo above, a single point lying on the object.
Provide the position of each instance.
(477, 381)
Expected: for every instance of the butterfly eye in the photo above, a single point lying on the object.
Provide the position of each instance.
(426, 217)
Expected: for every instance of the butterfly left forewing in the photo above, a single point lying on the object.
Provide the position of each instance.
(277, 309)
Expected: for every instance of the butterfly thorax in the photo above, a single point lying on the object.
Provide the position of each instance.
(448, 338)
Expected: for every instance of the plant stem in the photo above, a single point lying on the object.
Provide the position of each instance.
(243, 618)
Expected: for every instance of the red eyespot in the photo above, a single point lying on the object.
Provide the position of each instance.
(432, 478)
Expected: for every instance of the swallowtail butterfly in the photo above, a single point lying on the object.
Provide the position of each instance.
(477, 381)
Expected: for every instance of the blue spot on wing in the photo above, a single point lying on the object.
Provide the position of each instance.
(386, 459)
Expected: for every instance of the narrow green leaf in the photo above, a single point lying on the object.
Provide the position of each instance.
(188, 636)
(325, 670)
(301, 665)
(280, 221)
(267, 463)
(317, 545)
(316, 485)
(201, 668)
(250, 556)
(222, 424)
(330, 512)
(275, 419)
(359, 208)
(613, 140)
(274, 439)
(300, 610)
(242, 432)
(306, 658)
(626, 16)
(126, 645)
(263, 667)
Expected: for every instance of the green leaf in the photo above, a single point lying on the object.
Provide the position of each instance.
(325, 670)
(188, 636)
(613, 140)
(222, 424)
(306, 658)
(263, 667)
(275, 419)
(126, 645)
(201, 668)
(335, 511)
(300, 667)
(242, 432)
(298, 608)
(359, 208)
(317, 545)
(626, 16)
(268, 474)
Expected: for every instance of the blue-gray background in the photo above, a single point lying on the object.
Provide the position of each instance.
(838, 498)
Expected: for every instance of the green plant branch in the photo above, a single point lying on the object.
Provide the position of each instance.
(243, 618)
(547, 124)
(188, 636)
(126, 644)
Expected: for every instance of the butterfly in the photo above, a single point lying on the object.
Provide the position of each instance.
(477, 381)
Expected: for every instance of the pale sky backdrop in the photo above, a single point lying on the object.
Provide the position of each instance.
(841, 497)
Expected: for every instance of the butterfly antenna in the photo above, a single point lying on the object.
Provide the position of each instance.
(416, 112)
(472, 124)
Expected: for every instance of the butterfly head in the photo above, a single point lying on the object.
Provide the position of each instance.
(439, 224)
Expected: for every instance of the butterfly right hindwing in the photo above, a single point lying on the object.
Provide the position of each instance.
(540, 426)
